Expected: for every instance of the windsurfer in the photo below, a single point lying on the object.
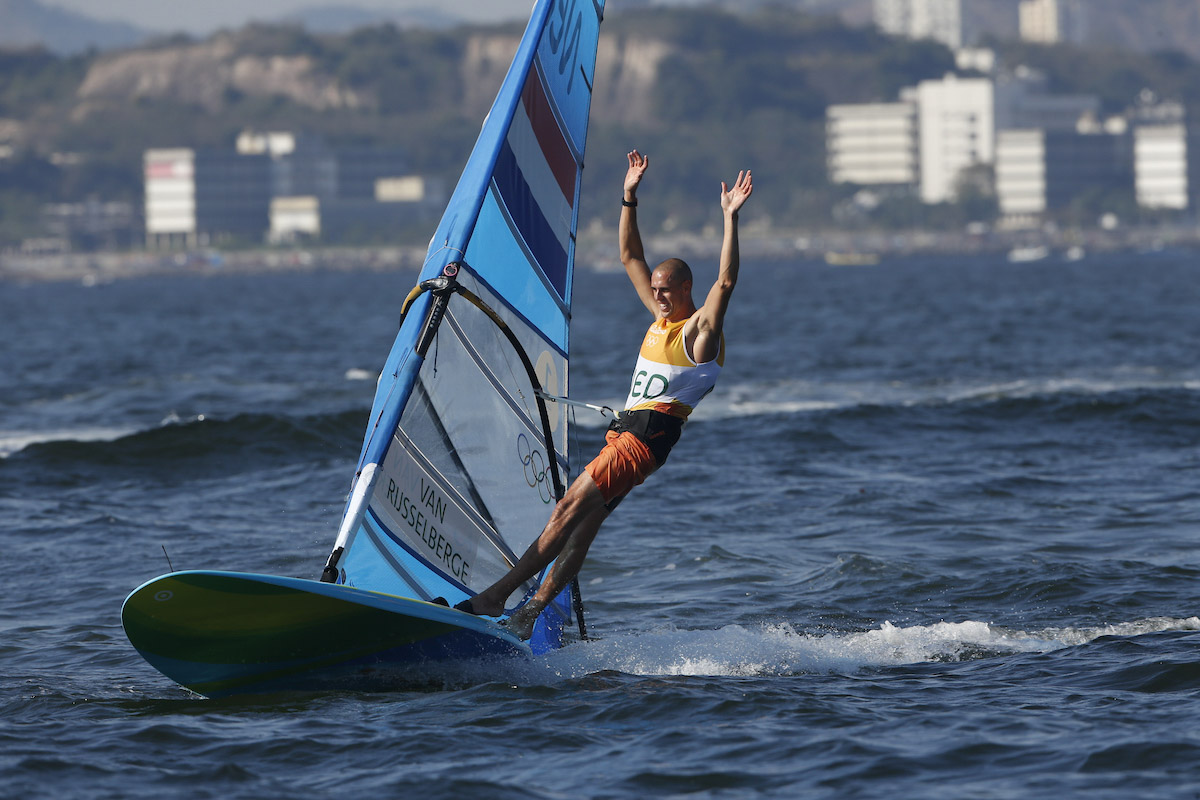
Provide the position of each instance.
(679, 362)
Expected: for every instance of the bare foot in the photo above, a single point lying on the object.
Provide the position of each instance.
(521, 623)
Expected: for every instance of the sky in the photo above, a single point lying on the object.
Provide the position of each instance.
(209, 15)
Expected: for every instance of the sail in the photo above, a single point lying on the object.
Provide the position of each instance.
(462, 461)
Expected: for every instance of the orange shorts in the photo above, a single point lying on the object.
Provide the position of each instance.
(623, 464)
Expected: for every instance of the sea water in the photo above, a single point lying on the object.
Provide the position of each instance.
(934, 535)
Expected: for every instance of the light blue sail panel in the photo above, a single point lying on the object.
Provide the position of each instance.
(535, 300)
(462, 473)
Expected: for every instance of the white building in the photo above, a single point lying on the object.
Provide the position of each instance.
(1164, 174)
(1051, 21)
(872, 143)
(170, 194)
(957, 123)
(294, 217)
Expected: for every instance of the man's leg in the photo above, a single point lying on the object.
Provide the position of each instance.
(578, 505)
(564, 570)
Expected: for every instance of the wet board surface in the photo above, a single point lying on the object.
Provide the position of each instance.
(220, 633)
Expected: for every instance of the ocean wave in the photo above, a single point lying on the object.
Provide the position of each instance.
(16, 441)
(752, 399)
(177, 439)
(1141, 394)
(787, 397)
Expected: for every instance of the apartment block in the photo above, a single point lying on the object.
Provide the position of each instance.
(872, 143)
(194, 196)
(1167, 166)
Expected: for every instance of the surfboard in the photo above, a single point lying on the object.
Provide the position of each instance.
(221, 633)
(461, 464)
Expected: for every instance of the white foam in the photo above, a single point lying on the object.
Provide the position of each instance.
(780, 650)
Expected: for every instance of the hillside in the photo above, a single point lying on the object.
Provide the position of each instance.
(707, 91)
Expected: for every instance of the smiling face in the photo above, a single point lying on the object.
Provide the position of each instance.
(671, 283)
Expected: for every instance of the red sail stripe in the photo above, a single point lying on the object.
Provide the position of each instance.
(549, 135)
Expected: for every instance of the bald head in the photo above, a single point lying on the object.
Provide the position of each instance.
(674, 270)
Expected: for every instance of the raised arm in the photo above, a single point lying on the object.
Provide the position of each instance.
(710, 318)
(632, 254)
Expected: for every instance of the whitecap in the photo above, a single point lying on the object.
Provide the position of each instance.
(778, 649)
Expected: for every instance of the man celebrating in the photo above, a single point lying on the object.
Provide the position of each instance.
(678, 365)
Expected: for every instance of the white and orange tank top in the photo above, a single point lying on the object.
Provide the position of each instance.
(666, 378)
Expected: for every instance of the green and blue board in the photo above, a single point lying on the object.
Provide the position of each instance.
(221, 633)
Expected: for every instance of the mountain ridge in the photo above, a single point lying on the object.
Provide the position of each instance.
(29, 23)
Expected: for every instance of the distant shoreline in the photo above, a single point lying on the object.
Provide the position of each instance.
(597, 251)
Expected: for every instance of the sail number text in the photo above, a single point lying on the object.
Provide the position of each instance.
(564, 37)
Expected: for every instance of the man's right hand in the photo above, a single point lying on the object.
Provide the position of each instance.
(637, 168)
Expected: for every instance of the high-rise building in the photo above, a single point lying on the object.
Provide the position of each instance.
(957, 123)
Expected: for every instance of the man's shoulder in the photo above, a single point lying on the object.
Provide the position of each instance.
(699, 322)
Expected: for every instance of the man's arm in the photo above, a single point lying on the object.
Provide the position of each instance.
(632, 254)
(710, 318)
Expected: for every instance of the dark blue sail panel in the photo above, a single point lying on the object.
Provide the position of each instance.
(529, 221)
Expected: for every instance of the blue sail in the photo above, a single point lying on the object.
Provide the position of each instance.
(462, 461)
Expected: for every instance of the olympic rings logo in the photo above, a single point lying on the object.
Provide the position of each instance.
(534, 464)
